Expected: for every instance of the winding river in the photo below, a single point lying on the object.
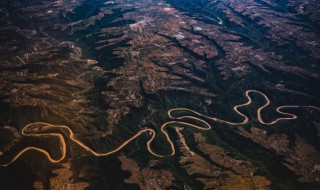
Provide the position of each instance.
(32, 129)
